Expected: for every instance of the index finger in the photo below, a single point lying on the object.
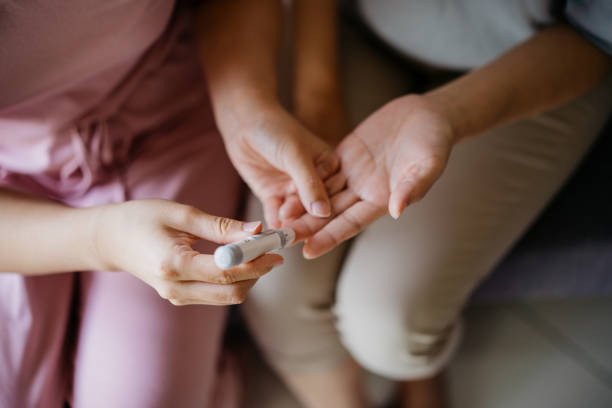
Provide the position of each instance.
(307, 225)
(344, 226)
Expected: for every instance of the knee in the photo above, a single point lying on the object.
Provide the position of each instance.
(386, 345)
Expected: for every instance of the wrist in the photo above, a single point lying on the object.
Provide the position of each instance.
(316, 96)
(441, 106)
(98, 223)
(243, 114)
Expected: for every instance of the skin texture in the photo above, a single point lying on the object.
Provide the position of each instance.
(319, 106)
(273, 152)
(393, 158)
(317, 94)
(151, 239)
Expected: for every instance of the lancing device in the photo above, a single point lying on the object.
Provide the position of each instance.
(228, 256)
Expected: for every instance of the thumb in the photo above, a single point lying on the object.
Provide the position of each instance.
(400, 198)
(212, 228)
(415, 184)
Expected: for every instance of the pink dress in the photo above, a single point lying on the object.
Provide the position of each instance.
(100, 102)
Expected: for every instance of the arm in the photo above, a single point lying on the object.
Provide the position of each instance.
(239, 44)
(151, 239)
(317, 98)
(275, 154)
(394, 157)
(317, 92)
(554, 67)
(42, 237)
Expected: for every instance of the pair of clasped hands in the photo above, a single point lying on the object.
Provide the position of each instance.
(325, 194)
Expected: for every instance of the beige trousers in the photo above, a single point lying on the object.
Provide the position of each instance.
(394, 297)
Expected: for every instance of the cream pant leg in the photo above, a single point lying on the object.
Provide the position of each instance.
(400, 288)
(403, 283)
(397, 293)
(289, 310)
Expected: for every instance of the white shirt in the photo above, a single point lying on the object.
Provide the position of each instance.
(455, 34)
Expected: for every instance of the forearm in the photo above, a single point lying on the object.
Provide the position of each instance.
(551, 68)
(316, 62)
(239, 44)
(41, 237)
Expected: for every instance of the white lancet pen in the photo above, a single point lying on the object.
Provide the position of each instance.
(228, 256)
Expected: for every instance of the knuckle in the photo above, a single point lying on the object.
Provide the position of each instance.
(167, 272)
(168, 292)
(190, 215)
(237, 294)
(312, 182)
(225, 277)
(183, 262)
(222, 225)
(354, 224)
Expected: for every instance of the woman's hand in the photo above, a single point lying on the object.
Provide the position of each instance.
(391, 160)
(279, 158)
(152, 240)
(323, 113)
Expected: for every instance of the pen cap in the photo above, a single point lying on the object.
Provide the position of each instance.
(228, 256)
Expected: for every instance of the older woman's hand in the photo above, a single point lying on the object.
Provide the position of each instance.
(391, 160)
(281, 160)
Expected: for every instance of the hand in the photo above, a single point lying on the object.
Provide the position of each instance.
(152, 240)
(390, 161)
(323, 113)
(278, 157)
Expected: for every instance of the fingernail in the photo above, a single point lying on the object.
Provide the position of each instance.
(321, 208)
(251, 226)
(307, 253)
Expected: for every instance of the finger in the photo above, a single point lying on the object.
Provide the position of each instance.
(412, 188)
(190, 265)
(291, 208)
(184, 293)
(400, 197)
(344, 226)
(271, 207)
(335, 183)
(307, 225)
(310, 187)
(210, 227)
(327, 164)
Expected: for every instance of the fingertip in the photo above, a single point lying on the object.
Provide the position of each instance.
(396, 210)
(252, 227)
(276, 259)
(311, 190)
(308, 252)
(400, 198)
(321, 208)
